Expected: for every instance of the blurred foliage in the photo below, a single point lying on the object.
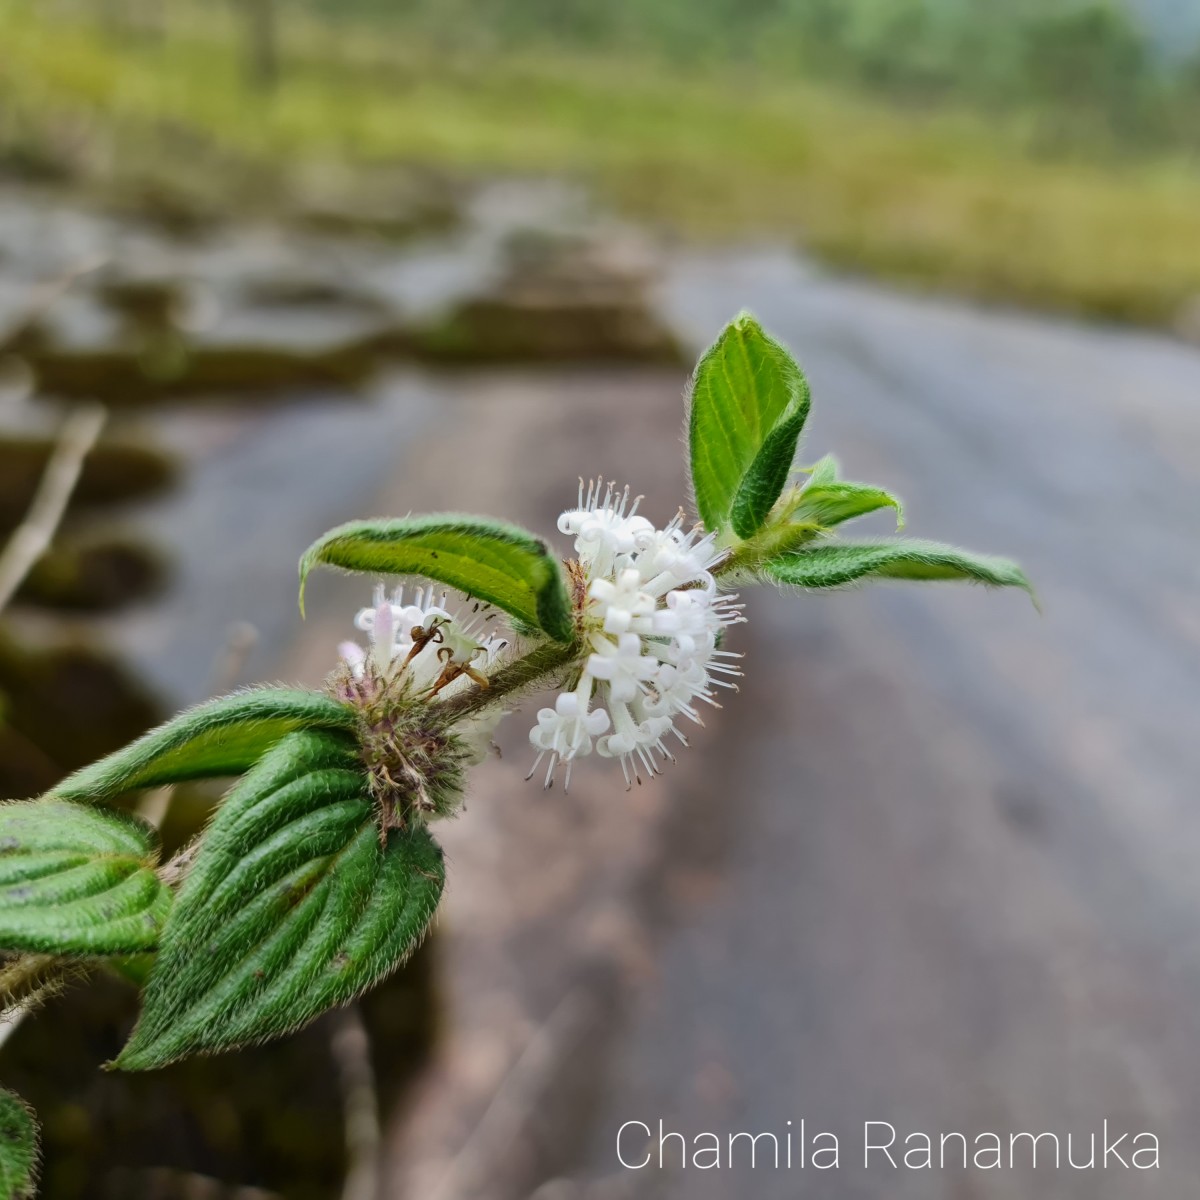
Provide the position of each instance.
(1092, 64)
(62, 708)
(1037, 151)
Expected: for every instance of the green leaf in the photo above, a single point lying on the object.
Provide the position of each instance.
(748, 404)
(823, 471)
(78, 880)
(767, 476)
(834, 503)
(222, 737)
(832, 564)
(828, 500)
(133, 968)
(18, 1148)
(499, 563)
(292, 907)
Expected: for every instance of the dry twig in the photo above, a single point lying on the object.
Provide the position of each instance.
(32, 538)
(27, 544)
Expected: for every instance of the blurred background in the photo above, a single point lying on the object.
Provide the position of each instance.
(936, 863)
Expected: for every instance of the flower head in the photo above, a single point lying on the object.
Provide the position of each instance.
(419, 652)
(602, 527)
(421, 644)
(653, 623)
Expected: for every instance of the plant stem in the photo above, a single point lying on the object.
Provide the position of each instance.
(779, 536)
(524, 673)
(26, 976)
(25, 982)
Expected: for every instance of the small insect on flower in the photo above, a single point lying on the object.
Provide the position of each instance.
(652, 623)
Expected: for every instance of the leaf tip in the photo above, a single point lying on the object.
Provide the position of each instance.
(142, 1052)
(308, 560)
(127, 1060)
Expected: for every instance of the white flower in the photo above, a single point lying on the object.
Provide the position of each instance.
(653, 623)
(423, 642)
(676, 688)
(565, 732)
(602, 529)
(635, 740)
(621, 602)
(354, 656)
(668, 558)
(688, 621)
(621, 664)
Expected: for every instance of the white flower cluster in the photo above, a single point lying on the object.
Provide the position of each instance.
(653, 624)
(435, 649)
(429, 650)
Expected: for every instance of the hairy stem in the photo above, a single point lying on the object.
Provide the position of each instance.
(524, 673)
(780, 536)
(28, 980)
(26, 975)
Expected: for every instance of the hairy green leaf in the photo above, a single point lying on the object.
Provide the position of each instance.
(833, 503)
(222, 737)
(828, 500)
(824, 470)
(18, 1148)
(490, 560)
(292, 907)
(748, 404)
(78, 880)
(767, 476)
(832, 564)
(133, 968)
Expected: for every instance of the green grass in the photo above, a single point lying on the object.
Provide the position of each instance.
(945, 200)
